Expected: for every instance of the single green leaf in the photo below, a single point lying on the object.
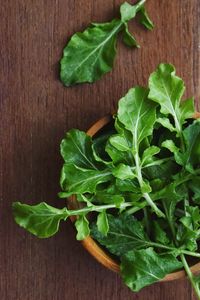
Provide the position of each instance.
(192, 139)
(170, 145)
(159, 234)
(82, 227)
(167, 89)
(140, 268)
(165, 122)
(187, 110)
(98, 158)
(145, 187)
(123, 172)
(110, 195)
(41, 220)
(160, 170)
(127, 11)
(149, 153)
(102, 223)
(90, 54)
(76, 148)
(170, 196)
(128, 185)
(76, 180)
(137, 114)
(118, 156)
(128, 38)
(157, 184)
(144, 19)
(119, 142)
(98, 147)
(125, 233)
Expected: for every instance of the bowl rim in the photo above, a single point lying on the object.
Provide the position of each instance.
(92, 246)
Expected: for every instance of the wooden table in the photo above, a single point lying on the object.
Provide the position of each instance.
(36, 110)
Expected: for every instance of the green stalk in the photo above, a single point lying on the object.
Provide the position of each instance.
(145, 195)
(139, 5)
(190, 276)
(190, 253)
(99, 208)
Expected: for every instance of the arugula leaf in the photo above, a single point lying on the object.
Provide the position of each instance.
(144, 19)
(109, 195)
(41, 220)
(98, 147)
(102, 223)
(137, 114)
(82, 227)
(140, 268)
(159, 234)
(76, 180)
(148, 154)
(192, 139)
(128, 38)
(123, 172)
(91, 53)
(119, 142)
(128, 185)
(127, 11)
(187, 110)
(167, 89)
(118, 156)
(76, 148)
(170, 145)
(125, 233)
(165, 122)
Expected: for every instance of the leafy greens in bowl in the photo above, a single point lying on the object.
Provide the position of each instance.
(140, 179)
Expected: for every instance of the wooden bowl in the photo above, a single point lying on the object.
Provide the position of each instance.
(92, 246)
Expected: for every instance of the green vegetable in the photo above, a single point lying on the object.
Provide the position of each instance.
(41, 220)
(140, 268)
(140, 181)
(82, 227)
(91, 53)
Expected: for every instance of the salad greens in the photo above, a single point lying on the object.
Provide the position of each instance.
(91, 53)
(140, 180)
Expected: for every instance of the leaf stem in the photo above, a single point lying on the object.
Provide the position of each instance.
(190, 276)
(99, 208)
(139, 5)
(141, 183)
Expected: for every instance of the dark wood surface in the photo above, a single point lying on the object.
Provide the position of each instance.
(36, 110)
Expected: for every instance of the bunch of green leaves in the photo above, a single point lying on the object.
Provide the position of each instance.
(140, 180)
(91, 53)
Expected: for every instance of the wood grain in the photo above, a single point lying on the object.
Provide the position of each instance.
(36, 110)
